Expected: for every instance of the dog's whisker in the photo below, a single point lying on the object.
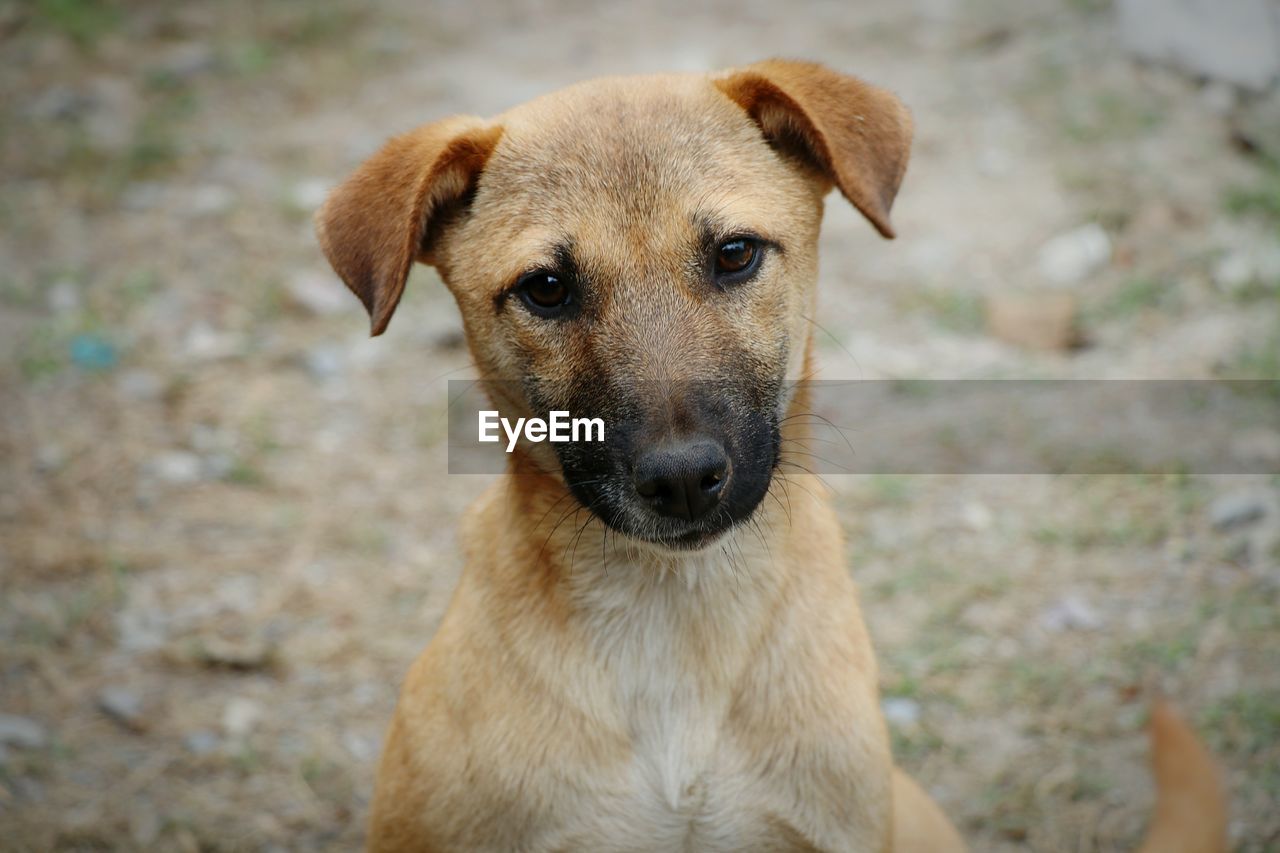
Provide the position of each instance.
(828, 333)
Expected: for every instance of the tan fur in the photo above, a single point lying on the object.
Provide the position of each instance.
(1191, 809)
(586, 691)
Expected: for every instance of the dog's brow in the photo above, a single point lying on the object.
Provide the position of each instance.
(714, 227)
(555, 254)
(565, 261)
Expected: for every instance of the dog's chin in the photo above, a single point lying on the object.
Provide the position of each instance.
(640, 527)
(668, 542)
(690, 542)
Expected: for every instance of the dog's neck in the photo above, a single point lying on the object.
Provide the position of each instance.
(657, 621)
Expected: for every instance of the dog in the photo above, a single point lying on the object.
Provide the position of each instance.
(683, 666)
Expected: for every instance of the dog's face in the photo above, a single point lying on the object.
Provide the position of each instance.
(649, 265)
(641, 250)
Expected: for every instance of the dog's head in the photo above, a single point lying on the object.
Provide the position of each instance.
(642, 250)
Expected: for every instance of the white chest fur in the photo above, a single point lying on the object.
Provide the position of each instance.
(672, 641)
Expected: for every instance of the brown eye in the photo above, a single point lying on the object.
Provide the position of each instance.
(737, 259)
(545, 293)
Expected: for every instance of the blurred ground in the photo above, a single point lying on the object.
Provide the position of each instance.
(225, 527)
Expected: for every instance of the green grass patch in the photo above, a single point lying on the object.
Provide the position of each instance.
(1257, 359)
(1260, 198)
(1247, 721)
(249, 58)
(43, 353)
(1137, 296)
(890, 489)
(1110, 115)
(955, 310)
(245, 473)
(1011, 806)
(1103, 533)
(83, 21)
(914, 744)
(1037, 684)
(1167, 653)
(916, 577)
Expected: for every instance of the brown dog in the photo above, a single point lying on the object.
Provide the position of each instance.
(644, 250)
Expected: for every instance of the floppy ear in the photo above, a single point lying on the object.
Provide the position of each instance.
(376, 223)
(857, 134)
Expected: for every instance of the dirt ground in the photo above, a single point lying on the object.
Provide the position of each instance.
(225, 523)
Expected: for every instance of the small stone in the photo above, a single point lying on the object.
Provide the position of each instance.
(977, 516)
(142, 628)
(1070, 613)
(242, 654)
(202, 742)
(210, 200)
(216, 466)
(900, 711)
(1044, 321)
(362, 746)
(141, 385)
(176, 467)
(1257, 446)
(995, 162)
(1070, 257)
(318, 294)
(59, 103)
(1238, 269)
(241, 716)
(50, 457)
(145, 826)
(63, 297)
(323, 362)
(1233, 271)
(204, 438)
(364, 353)
(203, 343)
(143, 195)
(21, 732)
(111, 124)
(188, 59)
(1219, 97)
(238, 593)
(306, 196)
(124, 707)
(1236, 510)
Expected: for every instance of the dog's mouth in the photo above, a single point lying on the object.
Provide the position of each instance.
(638, 522)
(695, 540)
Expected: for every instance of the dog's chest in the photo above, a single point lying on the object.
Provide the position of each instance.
(679, 790)
(683, 786)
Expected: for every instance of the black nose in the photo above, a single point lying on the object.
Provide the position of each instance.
(682, 480)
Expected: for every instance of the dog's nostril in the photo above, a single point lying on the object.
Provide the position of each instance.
(656, 489)
(647, 488)
(712, 480)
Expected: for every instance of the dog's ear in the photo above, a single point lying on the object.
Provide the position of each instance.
(377, 222)
(855, 133)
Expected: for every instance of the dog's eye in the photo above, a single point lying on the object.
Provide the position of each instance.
(544, 293)
(737, 259)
